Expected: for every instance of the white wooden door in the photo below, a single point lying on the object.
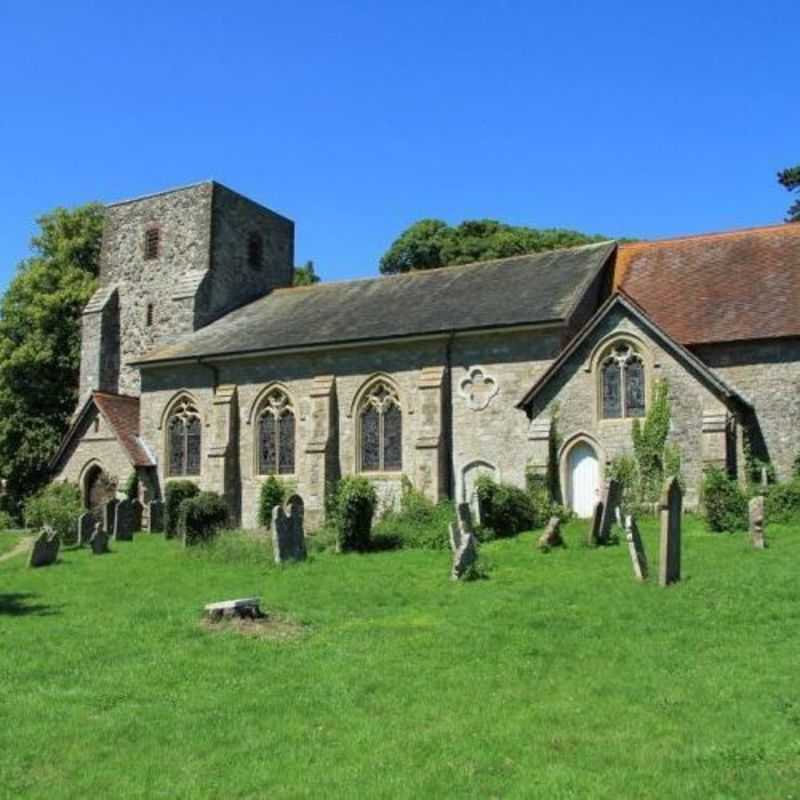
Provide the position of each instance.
(583, 476)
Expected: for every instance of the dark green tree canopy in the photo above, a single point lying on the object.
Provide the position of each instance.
(790, 179)
(305, 275)
(432, 243)
(40, 343)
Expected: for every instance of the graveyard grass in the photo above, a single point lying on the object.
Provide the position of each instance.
(557, 677)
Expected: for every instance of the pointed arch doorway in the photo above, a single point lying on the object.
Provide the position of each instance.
(583, 478)
(98, 489)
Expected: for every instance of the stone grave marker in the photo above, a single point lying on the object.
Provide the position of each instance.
(288, 537)
(636, 548)
(109, 516)
(462, 542)
(99, 540)
(594, 530)
(137, 509)
(757, 522)
(244, 608)
(45, 548)
(670, 508)
(86, 522)
(552, 535)
(124, 521)
(156, 521)
(612, 497)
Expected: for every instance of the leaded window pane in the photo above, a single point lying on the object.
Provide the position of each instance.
(176, 451)
(634, 388)
(184, 439)
(392, 438)
(370, 439)
(286, 443)
(268, 445)
(193, 446)
(612, 395)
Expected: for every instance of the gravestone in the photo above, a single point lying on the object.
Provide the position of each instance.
(757, 522)
(124, 521)
(611, 499)
(156, 522)
(99, 540)
(136, 508)
(636, 548)
(109, 515)
(552, 535)
(670, 507)
(288, 537)
(462, 542)
(597, 519)
(45, 548)
(86, 524)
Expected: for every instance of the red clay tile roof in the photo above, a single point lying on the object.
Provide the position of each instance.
(717, 287)
(122, 414)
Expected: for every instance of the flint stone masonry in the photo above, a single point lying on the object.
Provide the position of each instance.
(125, 521)
(757, 523)
(552, 535)
(45, 548)
(288, 537)
(636, 548)
(99, 540)
(86, 523)
(670, 509)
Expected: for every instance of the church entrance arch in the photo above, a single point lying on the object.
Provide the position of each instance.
(583, 478)
(98, 489)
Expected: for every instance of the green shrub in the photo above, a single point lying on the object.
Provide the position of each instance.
(6, 521)
(724, 503)
(505, 509)
(783, 501)
(132, 487)
(200, 517)
(540, 490)
(175, 493)
(796, 466)
(58, 505)
(354, 508)
(273, 493)
(419, 523)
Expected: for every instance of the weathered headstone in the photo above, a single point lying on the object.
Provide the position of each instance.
(597, 519)
(86, 524)
(136, 508)
(462, 542)
(156, 516)
(109, 516)
(670, 507)
(99, 540)
(45, 548)
(612, 497)
(552, 535)
(757, 522)
(636, 548)
(288, 537)
(124, 521)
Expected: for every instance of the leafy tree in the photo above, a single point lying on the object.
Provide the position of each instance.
(432, 243)
(40, 344)
(790, 179)
(305, 275)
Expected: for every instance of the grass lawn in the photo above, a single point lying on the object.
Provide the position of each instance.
(9, 540)
(558, 677)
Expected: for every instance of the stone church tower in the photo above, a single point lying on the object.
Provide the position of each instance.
(171, 263)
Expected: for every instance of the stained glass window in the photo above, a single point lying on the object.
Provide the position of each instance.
(276, 428)
(184, 439)
(623, 383)
(381, 430)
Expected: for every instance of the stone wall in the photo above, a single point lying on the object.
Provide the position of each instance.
(767, 373)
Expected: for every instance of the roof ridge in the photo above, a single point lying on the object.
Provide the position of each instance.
(785, 226)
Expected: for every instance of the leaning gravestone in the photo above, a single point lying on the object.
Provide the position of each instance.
(45, 548)
(670, 507)
(462, 542)
(109, 516)
(124, 521)
(288, 537)
(594, 530)
(99, 540)
(636, 548)
(757, 522)
(612, 497)
(552, 535)
(156, 522)
(86, 524)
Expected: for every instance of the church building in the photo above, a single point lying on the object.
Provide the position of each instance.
(200, 361)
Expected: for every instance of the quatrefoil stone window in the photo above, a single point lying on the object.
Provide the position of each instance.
(478, 388)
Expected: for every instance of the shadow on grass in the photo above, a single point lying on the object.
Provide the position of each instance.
(17, 604)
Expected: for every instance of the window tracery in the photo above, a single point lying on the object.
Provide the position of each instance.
(276, 435)
(381, 434)
(622, 380)
(184, 438)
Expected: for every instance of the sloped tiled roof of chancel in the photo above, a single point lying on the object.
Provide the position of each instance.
(718, 287)
(529, 289)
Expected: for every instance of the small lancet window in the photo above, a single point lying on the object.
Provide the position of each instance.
(276, 433)
(255, 251)
(149, 320)
(184, 439)
(381, 430)
(152, 243)
(623, 383)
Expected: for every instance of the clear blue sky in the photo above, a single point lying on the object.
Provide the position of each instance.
(356, 119)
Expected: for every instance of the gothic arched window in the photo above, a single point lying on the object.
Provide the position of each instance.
(622, 379)
(275, 431)
(184, 438)
(381, 430)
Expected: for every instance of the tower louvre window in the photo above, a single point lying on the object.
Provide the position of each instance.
(152, 243)
(255, 251)
(149, 314)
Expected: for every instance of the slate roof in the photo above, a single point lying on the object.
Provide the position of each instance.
(720, 387)
(718, 287)
(536, 288)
